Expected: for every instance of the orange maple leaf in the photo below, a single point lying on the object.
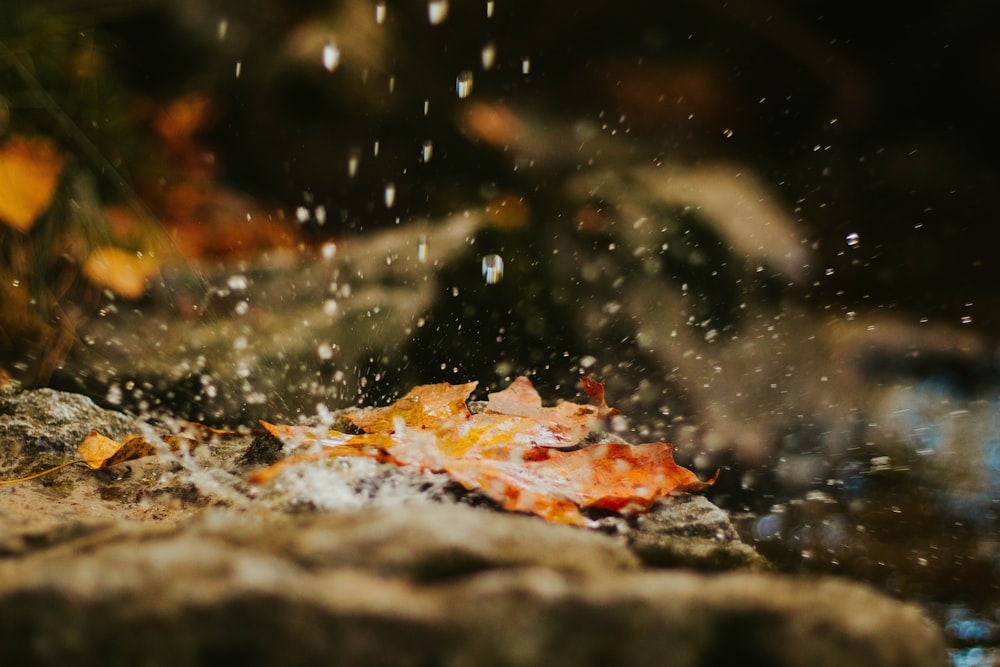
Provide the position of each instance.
(511, 451)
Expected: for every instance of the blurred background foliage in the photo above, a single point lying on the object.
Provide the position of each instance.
(163, 112)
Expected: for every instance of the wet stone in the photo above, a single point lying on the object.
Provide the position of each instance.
(180, 561)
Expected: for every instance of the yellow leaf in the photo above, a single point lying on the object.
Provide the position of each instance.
(124, 273)
(99, 451)
(29, 174)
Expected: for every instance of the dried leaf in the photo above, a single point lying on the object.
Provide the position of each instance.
(29, 173)
(124, 273)
(99, 451)
(509, 451)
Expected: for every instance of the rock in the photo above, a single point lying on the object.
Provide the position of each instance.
(689, 531)
(55, 421)
(419, 586)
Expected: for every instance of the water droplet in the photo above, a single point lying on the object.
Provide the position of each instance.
(489, 9)
(437, 11)
(331, 56)
(239, 68)
(222, 28)
(329, 250)
(114, 395)
(492, 269)
(427, 106)
(853, 240)
(375, 149)
(426, 151)
(237, 282)
(966, 319)
(330, 307)
(302, 214)
(392, 84)
(463, 84)
(380, 13)
(587, 361)
(526, 66)
(390, 194)
(320, 214)
(489, 55)
(352, 165)
(241, 308)
(422, 249)
(324, 351)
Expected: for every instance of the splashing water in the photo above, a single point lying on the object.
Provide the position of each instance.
(331, 56)
(492, 269)
(463, 84)
(437, 11)
(489, 55)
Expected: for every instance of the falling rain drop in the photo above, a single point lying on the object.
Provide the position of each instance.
(437, 11)
(526, 66)
(330, 307)
(463, 84)
(329, 250)
(422, 249)
(380, 13)
(427, 106)
(853, 240)
(331, 56)
(302, 214)
(352, 165)
(489, 55)
(390, 195)
(222, 28)
(489, 9)
(492, 269)
(239, 68)
(426, 151)
(237, 282)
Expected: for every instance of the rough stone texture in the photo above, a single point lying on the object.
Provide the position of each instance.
(48, 420)
(174, 559)
(689, 531)
(449, 586)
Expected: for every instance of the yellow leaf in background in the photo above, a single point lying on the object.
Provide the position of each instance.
(124, 273)
(29, 173)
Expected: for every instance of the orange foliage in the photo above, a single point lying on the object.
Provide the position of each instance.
(29, 174)
(513, 451)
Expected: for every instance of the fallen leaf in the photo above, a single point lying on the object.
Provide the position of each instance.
(512, 451)
(124, 273)
(29, 173)
(99, 451)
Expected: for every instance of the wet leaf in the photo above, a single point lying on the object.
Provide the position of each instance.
(29, 173)
(512, 451)
(99, 451)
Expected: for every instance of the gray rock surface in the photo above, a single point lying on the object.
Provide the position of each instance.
(48, 420)
(424, 586)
